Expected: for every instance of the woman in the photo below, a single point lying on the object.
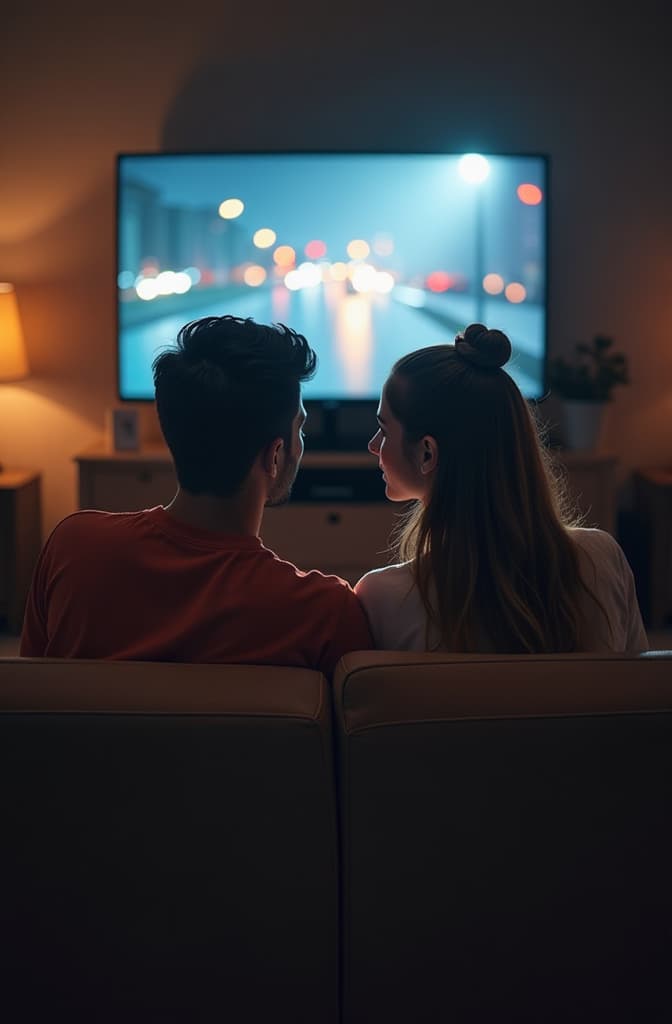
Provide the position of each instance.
(490, 559)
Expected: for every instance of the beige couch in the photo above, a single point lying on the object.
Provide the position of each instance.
(453, 838)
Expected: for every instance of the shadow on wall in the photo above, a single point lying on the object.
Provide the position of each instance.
(64, 278)
(363, 100)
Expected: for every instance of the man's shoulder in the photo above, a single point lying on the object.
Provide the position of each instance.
(311, 583)
(308, 578)
(93, 521)
(97, 519)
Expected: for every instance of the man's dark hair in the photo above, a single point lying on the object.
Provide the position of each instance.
(228, 388)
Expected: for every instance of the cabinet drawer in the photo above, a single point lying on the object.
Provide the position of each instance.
(343, 538)
(126, 488)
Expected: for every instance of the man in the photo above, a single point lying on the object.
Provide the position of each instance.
(192, 581)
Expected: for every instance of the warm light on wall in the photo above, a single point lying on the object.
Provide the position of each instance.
(13, 359)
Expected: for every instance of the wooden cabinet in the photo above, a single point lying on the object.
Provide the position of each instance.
(20, 541)
(125, 481)
(346, 537)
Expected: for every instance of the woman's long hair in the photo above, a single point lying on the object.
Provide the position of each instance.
(491, 550)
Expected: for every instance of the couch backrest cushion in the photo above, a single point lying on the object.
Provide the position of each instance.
(506, 837)
(169, 844)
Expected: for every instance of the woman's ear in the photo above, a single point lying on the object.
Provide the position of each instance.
(429, 455)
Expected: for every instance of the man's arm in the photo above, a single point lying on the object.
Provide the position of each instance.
(349, 631)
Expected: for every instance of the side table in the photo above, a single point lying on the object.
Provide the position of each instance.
(653, 499)
(20, 541)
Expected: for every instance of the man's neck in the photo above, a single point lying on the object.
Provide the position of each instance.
(241, 514)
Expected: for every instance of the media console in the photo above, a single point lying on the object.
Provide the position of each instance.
(338, 519)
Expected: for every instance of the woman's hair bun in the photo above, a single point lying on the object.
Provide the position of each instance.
(488, 349)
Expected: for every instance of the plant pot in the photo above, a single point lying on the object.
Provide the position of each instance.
(583, 422)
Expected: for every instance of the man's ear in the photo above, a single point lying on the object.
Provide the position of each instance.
(429, 455)
(271, 457)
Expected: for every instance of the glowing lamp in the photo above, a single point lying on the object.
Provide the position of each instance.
(13, 360)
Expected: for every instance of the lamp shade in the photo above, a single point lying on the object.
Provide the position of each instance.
(13, 360)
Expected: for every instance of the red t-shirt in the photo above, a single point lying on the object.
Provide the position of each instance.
(145, 586)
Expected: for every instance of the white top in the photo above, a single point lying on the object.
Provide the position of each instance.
(398, 619)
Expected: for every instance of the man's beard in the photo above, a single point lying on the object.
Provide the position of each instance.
(282, 491)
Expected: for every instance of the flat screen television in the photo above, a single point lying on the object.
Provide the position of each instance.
(370, 255)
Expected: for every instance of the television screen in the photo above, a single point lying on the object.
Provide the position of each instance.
(369, 255)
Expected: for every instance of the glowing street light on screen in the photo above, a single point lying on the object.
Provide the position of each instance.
(473, 168)
(231, 208)
(530, 195)
(254, 275)
(264, 238)
(357, 249)
(284, 256)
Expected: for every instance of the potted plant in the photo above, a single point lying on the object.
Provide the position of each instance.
(585, 385)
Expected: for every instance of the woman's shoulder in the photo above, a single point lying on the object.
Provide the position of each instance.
(598, 544)
(592, 537)
(389, 579)
(394, 608)
(608, 575)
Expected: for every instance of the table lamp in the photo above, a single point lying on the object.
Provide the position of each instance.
(13, 360)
